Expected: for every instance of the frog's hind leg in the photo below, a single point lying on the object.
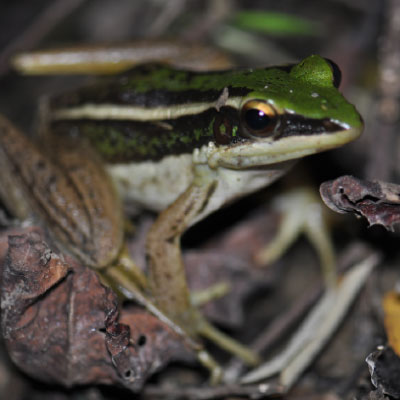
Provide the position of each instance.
(167, 279)
(113, 59)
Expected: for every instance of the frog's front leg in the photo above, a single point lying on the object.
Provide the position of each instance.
(302, 212)
(167, 273)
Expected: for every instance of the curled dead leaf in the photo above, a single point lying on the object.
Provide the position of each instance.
(377, 201)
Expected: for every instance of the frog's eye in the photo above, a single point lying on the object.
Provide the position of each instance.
(336, 73)
(259, 118)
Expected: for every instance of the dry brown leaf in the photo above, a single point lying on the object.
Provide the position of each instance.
(377, 201)
(61, 325)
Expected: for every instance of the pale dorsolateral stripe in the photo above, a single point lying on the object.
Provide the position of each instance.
(137, 113)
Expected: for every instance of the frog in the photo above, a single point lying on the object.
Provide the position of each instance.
(178, 142)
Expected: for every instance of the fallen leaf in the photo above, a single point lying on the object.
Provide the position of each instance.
(61, 325)
(377, 201)
(384, 367)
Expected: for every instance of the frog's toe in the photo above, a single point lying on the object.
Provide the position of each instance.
(227, 343)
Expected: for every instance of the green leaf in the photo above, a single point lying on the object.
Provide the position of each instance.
(275, 23)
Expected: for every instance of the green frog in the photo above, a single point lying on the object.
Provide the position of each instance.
(181, 143)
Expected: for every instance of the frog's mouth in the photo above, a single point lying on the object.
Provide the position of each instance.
(266, 152)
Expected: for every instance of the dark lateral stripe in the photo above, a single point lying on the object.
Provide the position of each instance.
(153, 98)
(296, 125)
(154, 85)
(123, 141)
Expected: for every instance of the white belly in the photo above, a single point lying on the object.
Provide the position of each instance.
(155, 185)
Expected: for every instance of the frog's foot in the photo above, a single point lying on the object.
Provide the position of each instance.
(316, 330)
(210, 332)
(189, 325)
(120, 279)
(195, 325)
(302, 212)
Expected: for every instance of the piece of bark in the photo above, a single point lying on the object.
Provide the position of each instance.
(61, 325)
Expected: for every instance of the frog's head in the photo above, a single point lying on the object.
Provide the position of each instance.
(295, 111)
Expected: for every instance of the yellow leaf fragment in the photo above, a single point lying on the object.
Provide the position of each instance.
(391, 307)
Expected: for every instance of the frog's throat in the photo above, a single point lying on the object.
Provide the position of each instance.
(261, 153)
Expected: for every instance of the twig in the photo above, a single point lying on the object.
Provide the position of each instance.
(170, 11)
(268, 338)
(217, 11)
(206, 393)
(316, 329)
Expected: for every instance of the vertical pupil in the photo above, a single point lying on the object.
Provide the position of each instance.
(256, 119)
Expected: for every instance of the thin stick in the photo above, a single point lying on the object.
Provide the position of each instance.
(206, 392)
